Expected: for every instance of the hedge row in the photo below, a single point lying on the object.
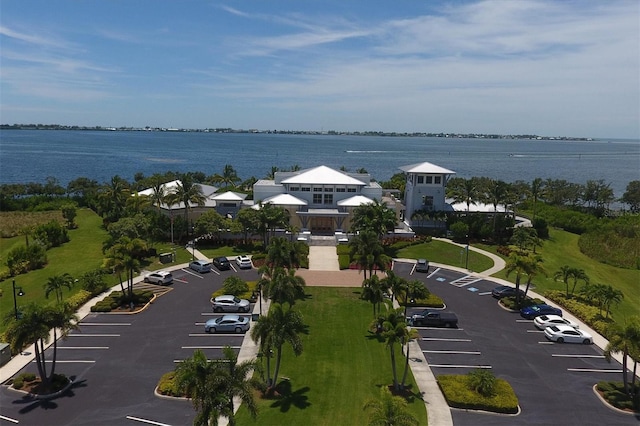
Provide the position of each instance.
(458, 393)
(117, 299)
(614, 393)
(587, 313)
(168, 386)
(432, 301)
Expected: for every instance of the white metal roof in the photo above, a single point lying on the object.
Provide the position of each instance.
(229, 196)
(355, 201)
(207, 190)
(427, 168)
(475, 207)
(323, 175)
(282, 200)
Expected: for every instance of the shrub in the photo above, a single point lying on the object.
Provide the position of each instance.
(431, 301)
(482, 381)
(22, 259)
(23, 378)
(344, 261)
(51, 234)
(79, 299)
(457, 393)
(460, 230)
(93, 281)
(234, 285)
(168, 386)
(102, 306)
(18, 382)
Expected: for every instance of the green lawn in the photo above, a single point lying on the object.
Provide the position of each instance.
(342, 366)
(446, 253)
(562, 249)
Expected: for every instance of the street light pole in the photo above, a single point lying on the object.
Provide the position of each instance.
(466, 266)
(15, 301)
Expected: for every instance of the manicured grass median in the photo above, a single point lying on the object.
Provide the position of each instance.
(448, 254)
(342, 366)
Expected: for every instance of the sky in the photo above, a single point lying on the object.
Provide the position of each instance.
(550, 68)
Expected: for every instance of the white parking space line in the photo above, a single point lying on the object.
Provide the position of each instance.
(92, 335)
(208, 314)
(453, 352)
(105, 323)
(484, 367)
(210, 347)
(524, 320)
(215, 272)
(546, 342)
(215, 334)
(593, 370)
(439, 339)
(190, 272)
(181, 281)
(434, 272)
(83, 347)
(484, 293)
(79, 361)
(577, 356)
(151, 422)
(9, 419)
(535, 331)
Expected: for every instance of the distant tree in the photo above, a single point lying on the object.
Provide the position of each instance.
(248, 221)
(375, 217)
(632, 196)
(188, 192)
(69, 214)
(55, 284)
(228, 177)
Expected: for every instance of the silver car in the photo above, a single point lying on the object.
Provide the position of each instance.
(200, 266)
(227, 323)
(230, 303)
(159, 277)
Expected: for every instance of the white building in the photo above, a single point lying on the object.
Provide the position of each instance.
(319, 199)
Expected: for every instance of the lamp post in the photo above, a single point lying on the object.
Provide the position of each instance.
(15, 301)
(466, 266)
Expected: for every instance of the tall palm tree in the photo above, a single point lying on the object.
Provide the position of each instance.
(611, 295)
(262, 334)
(537, 191)
(228, 177)
(410, 334)
(624, 338)
(63, 319)
(389, 410)
(286, 254)
(394, 328)
(236, 382)
(496, 193)
(55, 284)
(126, 255)
(368, 253)
(270, 217)
(578, 275)
(196, 376)
(564, 274)
(415, 290)
(397, 285)
(112, 198)
(284, 286)
(534, 268)
(375, 217)
(158, 194)
(287, 325)
(188, 192)
(373, 291)
(518, 264)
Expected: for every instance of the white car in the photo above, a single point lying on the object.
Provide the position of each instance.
(230, 303)
(244, 262)
(567, 334)
(201, 266)
(159, 277)
(544, 321)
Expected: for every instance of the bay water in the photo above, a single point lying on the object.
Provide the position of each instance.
(35, 155)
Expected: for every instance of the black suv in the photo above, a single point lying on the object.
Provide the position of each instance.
(222, 263)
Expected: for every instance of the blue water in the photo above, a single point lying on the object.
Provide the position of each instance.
(34, 155)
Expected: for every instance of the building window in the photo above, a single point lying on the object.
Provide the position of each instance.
(420, 179)
(328, 198)
(429, 179)
(427, 202)
(341, 189)
(294, 188)
(317, 189)
(306, 189)
(317, 198)
(326, 189)
(438, 180)
(351, 189)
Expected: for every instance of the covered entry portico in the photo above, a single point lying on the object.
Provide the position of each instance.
(322, 221)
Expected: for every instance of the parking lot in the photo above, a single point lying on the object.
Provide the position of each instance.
(116, 360)
(553, 381)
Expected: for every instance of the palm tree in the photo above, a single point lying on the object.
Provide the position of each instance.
(236, 382)
(624, 338)
(397, 285)
(188, 192)
(228, 177)
(113, 197)
(158, 194)
(373, 291)
(368, 253)
(284, 286)
(197, 377)
(564, 273)
(578, 274)
(125, 256)
(519, 265)
(56, 283)
(286, 326)
(282, 253)
(537, 188)
(34, 328)
(534, 268)
(410, 334)
(375, 217)
(394, 329)
(610, 296)
(496, 193)
(262, 334)
(269, 218)
(415, 290)
(389, 410)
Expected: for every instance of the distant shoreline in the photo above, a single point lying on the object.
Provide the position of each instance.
(451, 135)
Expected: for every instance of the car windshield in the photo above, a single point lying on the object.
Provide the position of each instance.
(236, 299)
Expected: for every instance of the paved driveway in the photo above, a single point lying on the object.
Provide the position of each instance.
(117, 360)
(553, 381)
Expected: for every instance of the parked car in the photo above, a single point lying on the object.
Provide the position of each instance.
(431, 318)
(222, 263)
(422, 265)
(244, 262)
(530, 312)
(505, 291)
(200, 266)
(227, 323)
(568, 334)
(544, 321)
(159, 277)
(230, 303)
